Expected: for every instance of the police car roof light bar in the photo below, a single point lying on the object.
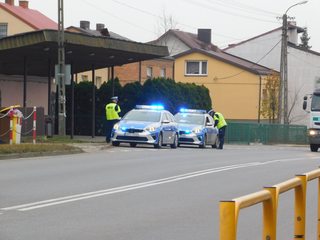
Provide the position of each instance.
(186, 110)
(150, 107)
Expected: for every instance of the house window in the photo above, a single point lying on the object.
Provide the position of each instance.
(84, 78)
(163, 72)
(98, 81)
(3, 30)
(149, 72)
(196, 68)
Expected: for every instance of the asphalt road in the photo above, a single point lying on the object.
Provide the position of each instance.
(143, 193)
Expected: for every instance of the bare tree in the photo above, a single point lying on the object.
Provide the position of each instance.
(166, 22)
(269, 102)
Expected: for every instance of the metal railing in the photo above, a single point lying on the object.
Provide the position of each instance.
(269, 196)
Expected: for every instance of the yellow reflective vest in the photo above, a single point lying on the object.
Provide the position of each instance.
(221, 121)
(112, 110)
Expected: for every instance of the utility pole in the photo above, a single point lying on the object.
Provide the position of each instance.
(283, 91)
(61, 72)
(283, 94)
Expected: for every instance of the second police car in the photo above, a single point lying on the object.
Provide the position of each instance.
(196, 127)
(146, 124)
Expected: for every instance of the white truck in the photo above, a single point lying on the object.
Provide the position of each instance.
(314, 119)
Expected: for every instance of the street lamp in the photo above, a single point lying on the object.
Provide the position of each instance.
(283, 93)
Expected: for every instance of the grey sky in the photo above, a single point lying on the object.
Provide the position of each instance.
(231, 21)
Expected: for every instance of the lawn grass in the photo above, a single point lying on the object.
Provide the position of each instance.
(32, 148)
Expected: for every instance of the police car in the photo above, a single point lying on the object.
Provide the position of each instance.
(146, 124)
(196, 127)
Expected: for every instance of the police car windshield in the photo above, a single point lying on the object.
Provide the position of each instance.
(185, 118)
(143, 116)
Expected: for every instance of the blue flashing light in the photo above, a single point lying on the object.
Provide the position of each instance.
(186, 110)
(187, 131)
(123, 129)
(150, 107)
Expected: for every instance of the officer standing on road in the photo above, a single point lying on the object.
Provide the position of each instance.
(112, 116)
(221, 124)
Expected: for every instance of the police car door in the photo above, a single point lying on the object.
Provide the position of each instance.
(167, 128)
(210, 130)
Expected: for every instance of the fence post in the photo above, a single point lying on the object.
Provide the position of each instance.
(34, 129)
(11, 127)
(270, 208)
(300, 209)
(228, 220)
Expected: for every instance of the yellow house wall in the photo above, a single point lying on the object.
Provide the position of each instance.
(15, 25)
(234, 92)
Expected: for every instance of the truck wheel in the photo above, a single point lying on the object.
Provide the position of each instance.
(314, 147)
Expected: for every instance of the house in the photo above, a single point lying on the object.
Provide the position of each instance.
(18, 19)
(15, 19)
(235, 84)
(303, 64)
(127, 73)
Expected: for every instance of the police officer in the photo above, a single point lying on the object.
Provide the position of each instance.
(221, 124)
(112, 116)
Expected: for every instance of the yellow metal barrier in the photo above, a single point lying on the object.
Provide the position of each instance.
(269, 196)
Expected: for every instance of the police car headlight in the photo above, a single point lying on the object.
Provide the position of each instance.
(197, 130)
(151, 129)
(116, 126)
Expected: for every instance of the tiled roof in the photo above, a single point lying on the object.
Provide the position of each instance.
(303, 49)
(233, 60)
(290, 26)
(31, 17)
(190, 39)
(98, 33)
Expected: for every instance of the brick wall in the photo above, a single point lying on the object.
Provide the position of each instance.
(130, 72)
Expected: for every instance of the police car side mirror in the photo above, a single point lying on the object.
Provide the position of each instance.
(209, 124)
(166, 121)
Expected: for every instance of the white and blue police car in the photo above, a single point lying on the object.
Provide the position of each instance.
(196, 127)
(146, 124)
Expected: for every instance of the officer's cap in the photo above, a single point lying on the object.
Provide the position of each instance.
(114, 98)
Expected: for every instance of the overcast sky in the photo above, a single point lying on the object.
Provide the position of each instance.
(231, 21)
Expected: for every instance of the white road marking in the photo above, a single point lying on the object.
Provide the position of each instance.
(77, 197)
(94, 194)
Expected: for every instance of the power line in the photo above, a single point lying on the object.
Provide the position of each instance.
(206, 6)
(115, 16)
(162, 18)
(246, 7)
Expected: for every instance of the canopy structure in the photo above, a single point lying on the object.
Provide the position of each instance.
(36, 54)
(37, 49)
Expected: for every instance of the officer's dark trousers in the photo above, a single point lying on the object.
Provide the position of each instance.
(222, 132)
(109, 126)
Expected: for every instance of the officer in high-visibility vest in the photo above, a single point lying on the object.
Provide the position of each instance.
(112, 116)
(221, 124)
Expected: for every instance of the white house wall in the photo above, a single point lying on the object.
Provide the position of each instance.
(264, 50)
(11, 88)
(175, 46)
(303, 68)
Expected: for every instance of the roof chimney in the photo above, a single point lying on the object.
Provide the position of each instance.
(99, 26)
(85, 25)
(10, 2)
(204, 35)
(24, 4)
(105, 32)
